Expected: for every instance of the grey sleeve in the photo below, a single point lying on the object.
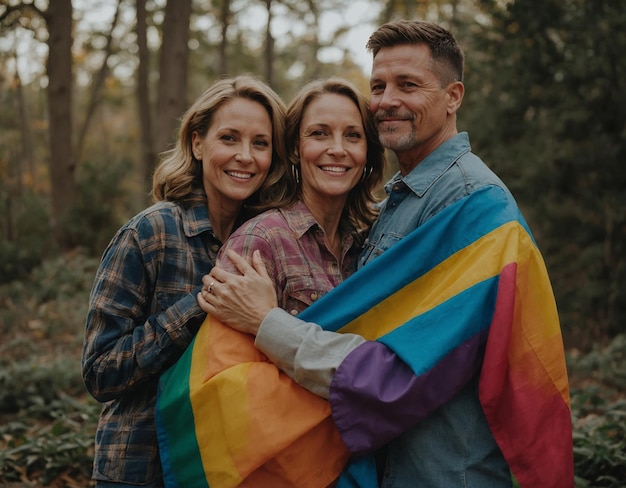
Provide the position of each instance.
(304, 351)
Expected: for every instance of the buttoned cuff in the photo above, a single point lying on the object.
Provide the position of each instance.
(304, 351)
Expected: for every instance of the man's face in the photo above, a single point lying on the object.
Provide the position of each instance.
(411, 109)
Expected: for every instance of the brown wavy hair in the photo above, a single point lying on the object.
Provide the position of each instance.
(360, 209)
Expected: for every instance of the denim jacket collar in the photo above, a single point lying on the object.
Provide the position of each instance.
(433, 166)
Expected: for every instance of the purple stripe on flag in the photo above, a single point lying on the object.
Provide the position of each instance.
(364, 373)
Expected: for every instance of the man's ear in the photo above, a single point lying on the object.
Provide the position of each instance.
(455, 90)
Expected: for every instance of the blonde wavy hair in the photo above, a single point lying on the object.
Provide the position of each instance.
(179, 175)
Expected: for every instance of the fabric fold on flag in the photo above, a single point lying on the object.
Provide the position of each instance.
(227, 417)
(471, 273)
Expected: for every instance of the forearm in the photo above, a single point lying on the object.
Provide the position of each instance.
(303, 350)
(118, 356)
(375, 396)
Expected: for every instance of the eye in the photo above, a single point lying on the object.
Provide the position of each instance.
(318, 133)
(227, 137)
(408, 84)
(354, 135)
(262, 143)
(377, 89)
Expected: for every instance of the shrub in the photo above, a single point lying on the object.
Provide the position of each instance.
(598, 411)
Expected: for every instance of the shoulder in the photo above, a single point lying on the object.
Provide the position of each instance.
(261, 224)
(153, 223)
(155, 213)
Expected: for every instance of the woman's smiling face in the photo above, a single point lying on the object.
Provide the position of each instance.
(236, 152)
(333, 148)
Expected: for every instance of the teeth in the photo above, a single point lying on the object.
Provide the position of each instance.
(237, 174)
(334, 169)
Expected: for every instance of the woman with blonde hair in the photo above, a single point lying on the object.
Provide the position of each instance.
(228, 161)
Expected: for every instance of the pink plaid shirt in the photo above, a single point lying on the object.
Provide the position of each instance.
(293, 250)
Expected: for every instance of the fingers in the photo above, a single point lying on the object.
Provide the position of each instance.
(240, 263)
(259, 265)
(208, 279)
(202, 301)
(219, 276)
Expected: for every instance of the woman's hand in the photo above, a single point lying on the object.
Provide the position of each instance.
(240, 301)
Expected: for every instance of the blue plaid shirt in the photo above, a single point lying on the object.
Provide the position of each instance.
(142, 315)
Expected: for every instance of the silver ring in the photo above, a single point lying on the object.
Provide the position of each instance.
(211, 286)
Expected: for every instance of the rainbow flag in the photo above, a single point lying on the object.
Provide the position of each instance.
(475, 273)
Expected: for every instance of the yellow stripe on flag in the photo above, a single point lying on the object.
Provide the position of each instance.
(481, 260)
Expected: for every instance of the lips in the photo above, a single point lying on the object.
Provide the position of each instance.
(392, 121)
(239, 174)
(391, 117)
(334, 169)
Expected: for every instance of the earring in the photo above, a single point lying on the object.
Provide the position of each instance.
(367, 171)
(295, 171)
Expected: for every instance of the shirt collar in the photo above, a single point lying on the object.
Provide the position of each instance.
(196, 218)
(298, 218)
(433, 166)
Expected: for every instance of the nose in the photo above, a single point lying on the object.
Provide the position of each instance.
(336, 147)
(244, 155)
(388, 98)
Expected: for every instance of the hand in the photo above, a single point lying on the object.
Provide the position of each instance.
(240, 301)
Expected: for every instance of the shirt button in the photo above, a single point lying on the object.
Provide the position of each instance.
(294, 312)
(313, 296)
(215, 248)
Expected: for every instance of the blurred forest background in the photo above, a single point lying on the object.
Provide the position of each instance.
(91, 93)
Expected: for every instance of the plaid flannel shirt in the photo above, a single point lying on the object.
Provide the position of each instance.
(142, 315)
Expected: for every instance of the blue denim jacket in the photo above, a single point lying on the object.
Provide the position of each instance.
(453, 446)
(449, 173)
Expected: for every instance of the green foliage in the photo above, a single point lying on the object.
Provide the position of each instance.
(544, 109)
(28, 384)
(52, 298)
(49, 439)
(47, 423)
(598, 411)
(27, 235)
(600, 445)
(101, 198)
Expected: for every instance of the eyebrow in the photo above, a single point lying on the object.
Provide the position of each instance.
(320, 124)
(238, 132)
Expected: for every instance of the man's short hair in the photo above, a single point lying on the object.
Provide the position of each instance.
(446, 54)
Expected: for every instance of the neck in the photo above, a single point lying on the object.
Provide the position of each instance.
(223, 220)
(327, 213)
(409, 159)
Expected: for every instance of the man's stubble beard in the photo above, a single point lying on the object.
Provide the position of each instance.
(397, 142)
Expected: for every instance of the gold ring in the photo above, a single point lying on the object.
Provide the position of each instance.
(211, 286)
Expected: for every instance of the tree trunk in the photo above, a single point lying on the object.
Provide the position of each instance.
(96, 86)
(25, 163)
(148, 157)
(59, 69)
(314, 63)
(172, 90)
(269, 46)
(225, 17)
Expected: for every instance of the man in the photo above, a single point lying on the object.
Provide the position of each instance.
(436, 432)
